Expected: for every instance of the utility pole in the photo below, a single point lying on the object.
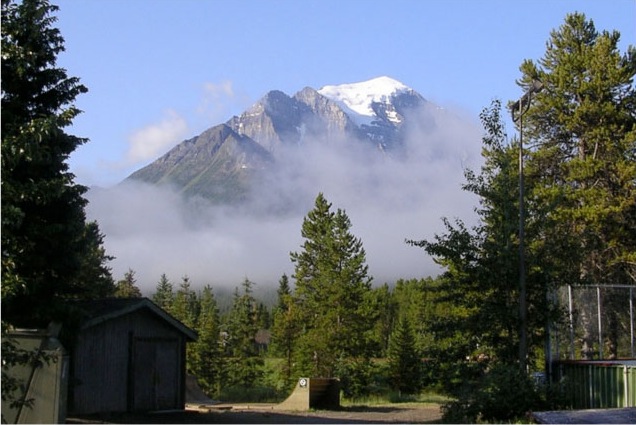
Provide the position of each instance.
(518, 109)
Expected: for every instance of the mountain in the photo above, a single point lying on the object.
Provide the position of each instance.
(222, 162)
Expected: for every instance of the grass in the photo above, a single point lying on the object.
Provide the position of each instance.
(257, 394)
(425, 397)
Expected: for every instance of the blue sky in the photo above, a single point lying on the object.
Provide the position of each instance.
(161, 71)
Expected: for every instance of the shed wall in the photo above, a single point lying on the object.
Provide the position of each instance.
(104, 363)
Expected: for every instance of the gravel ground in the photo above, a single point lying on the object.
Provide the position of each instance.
(409, 413)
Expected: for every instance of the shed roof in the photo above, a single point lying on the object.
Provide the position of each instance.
(101, 310)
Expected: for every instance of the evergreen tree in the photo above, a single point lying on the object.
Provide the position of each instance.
(245, 366)
(285, 328)
(206, 362)
(283, 292)
(333, 293)
(420, 302)
(386, 312)
(127, 287)
(94, 279)
(582, 161)
(262, 316)
(46, 244)
(481, 271)
(164, 293)
(49, 253)
(185, 306)
(405, 362)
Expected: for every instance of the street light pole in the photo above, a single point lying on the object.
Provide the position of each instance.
(521, 107)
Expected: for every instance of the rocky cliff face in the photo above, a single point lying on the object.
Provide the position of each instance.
(220, 163)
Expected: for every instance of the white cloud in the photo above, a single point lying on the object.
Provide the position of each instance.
(155, 139)
(220, 101)
(218, 90)
(388, 199)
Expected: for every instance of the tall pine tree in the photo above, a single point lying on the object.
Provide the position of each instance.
(48, 252)
(207, 362)
(285, 328)
(405, 362)
(582, 161)
(127, 287)
(333, 293)
(164, 293)
(481, 268)
(244, 366)
(185, 306)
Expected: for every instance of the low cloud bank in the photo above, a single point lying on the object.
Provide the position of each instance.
(153, 230)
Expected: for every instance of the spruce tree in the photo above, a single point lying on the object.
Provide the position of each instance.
(405, 362)
(285, 328)
(480, 282)
(164, 293)
(244, 365)
(185, 306)
(582, 158)
(333, 293)
(49, 255)
(127, 287)
(386, 309)
(206, 361)
(94, 279)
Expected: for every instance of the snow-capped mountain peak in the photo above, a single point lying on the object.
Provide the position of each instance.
(220, 163)
(359, 97)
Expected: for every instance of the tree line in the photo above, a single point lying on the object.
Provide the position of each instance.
(333, 324)
(465, 332)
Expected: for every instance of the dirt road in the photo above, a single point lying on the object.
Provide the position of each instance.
(410, 413)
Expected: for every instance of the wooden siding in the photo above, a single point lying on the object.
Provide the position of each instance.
(134, 362)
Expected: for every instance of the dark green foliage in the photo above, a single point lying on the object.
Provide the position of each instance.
(185, 306)
(405, 361)
(206, 361)
(127, 288)
(582, 166)
(164, 293)
(482, 265)
(252, 394)
(94, 279)
(334, 303)
(49, 253)
(579, 141)
(421, 302)
(244, 363)
(501, 394)
(263, 318)
(285, 329)
(356, 376)
(386, 309)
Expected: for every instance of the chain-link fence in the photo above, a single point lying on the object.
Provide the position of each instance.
(597, 323)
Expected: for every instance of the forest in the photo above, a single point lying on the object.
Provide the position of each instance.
(557, 207)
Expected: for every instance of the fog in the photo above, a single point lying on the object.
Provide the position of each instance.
(388, 198)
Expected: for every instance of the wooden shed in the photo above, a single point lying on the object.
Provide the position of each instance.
(129, 356)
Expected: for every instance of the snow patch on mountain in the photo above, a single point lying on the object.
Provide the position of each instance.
(356, 99)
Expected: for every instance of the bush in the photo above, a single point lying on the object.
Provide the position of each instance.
(256, 394)
(503, 393)
(355, 378)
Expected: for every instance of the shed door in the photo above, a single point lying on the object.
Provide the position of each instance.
(156, 374)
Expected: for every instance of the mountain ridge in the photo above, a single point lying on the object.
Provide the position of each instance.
(221, 163)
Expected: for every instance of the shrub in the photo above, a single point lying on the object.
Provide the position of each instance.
(256, 394)
(503, 393)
